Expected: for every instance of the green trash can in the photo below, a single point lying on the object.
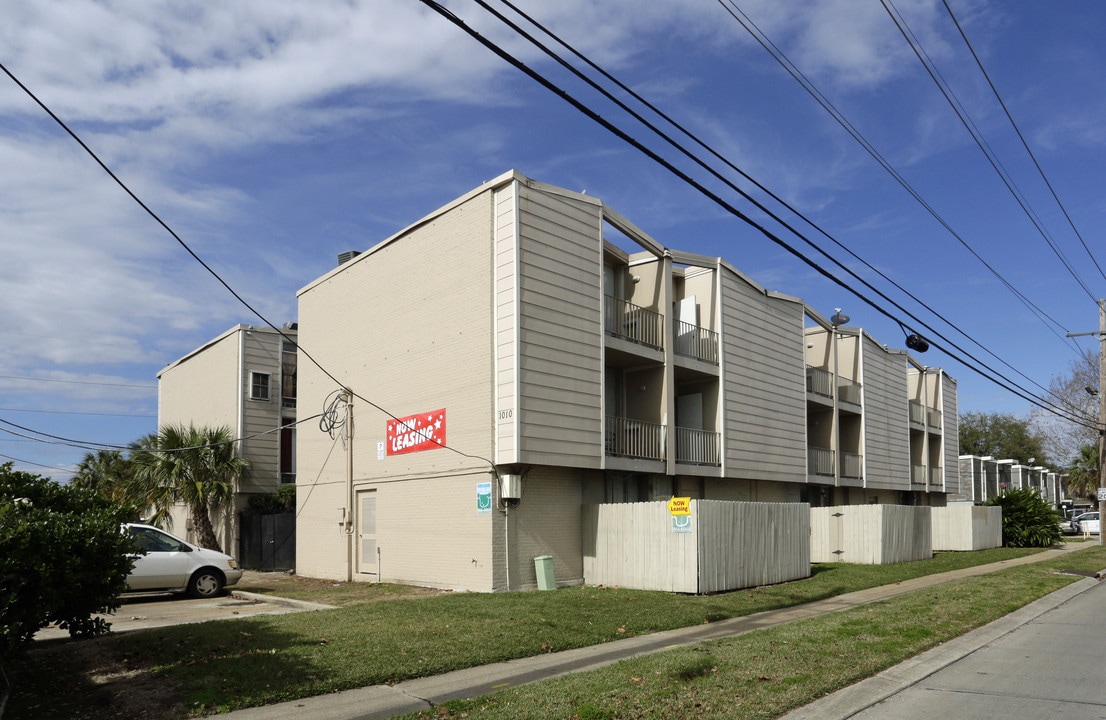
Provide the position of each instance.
(543, 567)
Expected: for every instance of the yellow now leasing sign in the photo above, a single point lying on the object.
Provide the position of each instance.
(679, 506)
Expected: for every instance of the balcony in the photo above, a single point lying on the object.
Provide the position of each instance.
(698, 447)
(852, 465)
(917, 413)
(918, 474)
(634, 323)
(820, 461)
(934, 418)
(696, 342)
(634, 439)
(819, 381)
(935, 476)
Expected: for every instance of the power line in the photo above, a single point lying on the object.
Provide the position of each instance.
(72, 412)
(1021, 137)
(1024, 393)
(808, 85)
(653, 155)
(31, 462)
(199, 260)
(980, 141)
(78, 382)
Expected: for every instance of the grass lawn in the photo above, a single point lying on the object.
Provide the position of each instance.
(211, 667)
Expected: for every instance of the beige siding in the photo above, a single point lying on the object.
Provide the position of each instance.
(457, 555)
(560, 332)
(950, 429)
(764, 395)
(506, 323)
(408, 326)
(202, 389)
(261, 418)
(886, 419)
(547, 522)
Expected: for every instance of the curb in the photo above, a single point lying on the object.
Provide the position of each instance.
(276, 600)
(854, 699)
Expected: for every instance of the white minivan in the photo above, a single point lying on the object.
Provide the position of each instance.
(171, 564)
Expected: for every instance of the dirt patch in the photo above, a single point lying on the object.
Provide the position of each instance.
(88, 682)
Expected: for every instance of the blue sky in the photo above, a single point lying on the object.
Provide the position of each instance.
(272, 135)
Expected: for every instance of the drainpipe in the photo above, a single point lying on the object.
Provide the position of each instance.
(349, 486)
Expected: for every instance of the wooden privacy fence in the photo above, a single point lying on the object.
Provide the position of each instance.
(870, 534)
(719, 546)
(963, 526)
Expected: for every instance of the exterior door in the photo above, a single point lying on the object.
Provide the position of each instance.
(366, 533)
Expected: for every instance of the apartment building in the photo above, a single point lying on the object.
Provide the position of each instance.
(245, 380)
(525, 350)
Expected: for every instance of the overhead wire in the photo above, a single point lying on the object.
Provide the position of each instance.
(977, 136)
(1021, 137)
(1013, 387)
(812, 89)
(180, 241)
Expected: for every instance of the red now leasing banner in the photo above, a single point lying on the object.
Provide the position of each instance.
(424, 431)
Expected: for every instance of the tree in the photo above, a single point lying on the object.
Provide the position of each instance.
(196, 466)
(1063, 437)
(1083, 473)
(1002, 436)
(107, 472)
(63, 558)
(1027, 520)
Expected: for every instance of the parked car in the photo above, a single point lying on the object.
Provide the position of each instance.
(174, 565)
(1087, 523)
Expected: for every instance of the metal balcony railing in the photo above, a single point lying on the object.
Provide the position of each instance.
(935, 476)
(698, 447)
(852, 465)
(819, 381)
(918, 474)
(634, 438)
(848, 391)
(934, 417)
(917, 413)
(819, 461)
(697, 342)
(634, 323)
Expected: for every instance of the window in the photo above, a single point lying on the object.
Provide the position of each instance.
(259, 386)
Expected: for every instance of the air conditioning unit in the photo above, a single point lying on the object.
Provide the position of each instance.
(510, 486)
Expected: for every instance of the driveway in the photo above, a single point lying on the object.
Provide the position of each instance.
(150, 610)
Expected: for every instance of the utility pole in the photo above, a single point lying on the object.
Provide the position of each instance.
(1101, 411)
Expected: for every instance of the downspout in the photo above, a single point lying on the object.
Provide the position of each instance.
(349, 487)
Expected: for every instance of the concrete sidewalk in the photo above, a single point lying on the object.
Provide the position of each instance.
(386, 701)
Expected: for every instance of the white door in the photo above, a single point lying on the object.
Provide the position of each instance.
(366, 533)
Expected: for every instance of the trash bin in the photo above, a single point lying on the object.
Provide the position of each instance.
(543, 567)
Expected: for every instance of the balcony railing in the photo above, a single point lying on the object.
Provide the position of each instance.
(819, 381)
(918, 474)
(934, 417)
(698, 447)
(697, 342)
(852, 465)
(848, 391)
(819, 461)
(632, 322)
(634, 438)
(917, 413)
(935, 476)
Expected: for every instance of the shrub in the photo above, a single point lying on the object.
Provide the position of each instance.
(1027, 520)
(282, 500)
(63, 558)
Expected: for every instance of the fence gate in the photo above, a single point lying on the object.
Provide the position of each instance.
(267, 542)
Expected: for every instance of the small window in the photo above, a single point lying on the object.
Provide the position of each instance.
(259, 386)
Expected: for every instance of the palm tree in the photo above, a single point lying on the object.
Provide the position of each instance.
(196, 466)
(1083, 473)
(107, 472)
